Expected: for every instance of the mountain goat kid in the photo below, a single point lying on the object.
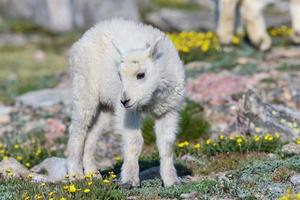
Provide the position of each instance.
(122, 70)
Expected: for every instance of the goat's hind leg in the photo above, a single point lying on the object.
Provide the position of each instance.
(102, 124)
(85, 104)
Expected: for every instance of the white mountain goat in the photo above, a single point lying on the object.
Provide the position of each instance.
(120, 71)
(253, 19)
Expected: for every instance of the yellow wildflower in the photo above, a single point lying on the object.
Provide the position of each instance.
(236, 40)
(117, 158)
(86, 190)
(90, 182)
(1, 145)
(63, 198)
(27, 164)
(105, 181)
(16, 146)
(239, 141)
(298, 141)
(197, 146)
(19, 158)
(221, 137)
(256, 138)
(38, 196)
(42, 184)
(72, 188)
(268, 137)
(89, 175)
(5, 158)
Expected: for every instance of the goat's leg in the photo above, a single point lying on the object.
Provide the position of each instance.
(295, 15)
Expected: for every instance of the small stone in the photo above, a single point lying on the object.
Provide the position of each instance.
(295, 180)
(45, 98)
(291, 148)
(5, 114)
(191, 195)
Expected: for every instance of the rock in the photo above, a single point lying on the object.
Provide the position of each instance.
(255, 116)
(17, 8)
(87, 13)
(188, 158)
(178, 20)
(55, 15)
(39, 56)
(295, 180)
(55, 167)
(192, 195)
(54, 129)
(12, 168)
(291, 148)
(5, 114)
(65, 15)
(12, 39)
(216, 88)
(45, 97)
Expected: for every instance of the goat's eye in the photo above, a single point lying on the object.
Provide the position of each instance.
(135, 62)
(140, 75)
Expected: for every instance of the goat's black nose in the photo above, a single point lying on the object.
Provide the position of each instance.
(125, 102)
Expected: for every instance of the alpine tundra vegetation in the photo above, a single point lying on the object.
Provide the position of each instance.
(120, 71)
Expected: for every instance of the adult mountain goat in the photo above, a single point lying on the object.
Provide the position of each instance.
(120, 71)
(253, 19)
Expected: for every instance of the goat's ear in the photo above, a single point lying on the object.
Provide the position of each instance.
(109, 39)
(152, 49)
(117, 48)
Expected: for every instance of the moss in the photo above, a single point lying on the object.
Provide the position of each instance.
(289, 67)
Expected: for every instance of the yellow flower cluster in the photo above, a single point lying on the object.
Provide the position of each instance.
(183, 144)
(290, 196)
(281, 31)
(203, 41)
(268, 137)
(210, 142)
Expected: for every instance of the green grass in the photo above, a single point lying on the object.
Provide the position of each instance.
(21, 73)
(289, 67)
(178, 4)
(193, 124)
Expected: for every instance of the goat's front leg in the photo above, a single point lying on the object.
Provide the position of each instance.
(132, 147)
(252, 12)
(165, 130)
(226, 21)
(295, 14)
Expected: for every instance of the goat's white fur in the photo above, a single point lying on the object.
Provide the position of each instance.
(97, 90)
(252, 15)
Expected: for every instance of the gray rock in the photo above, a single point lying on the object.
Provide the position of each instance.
(87, 13)
(17, 9)
(12, 39)
(5, 114)
(178, 20)
(65, 15)
(55, 15)
(55, 167)
(11, 167)
(192, 195)
(295, 180)
(45, 97)
(291, 148)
